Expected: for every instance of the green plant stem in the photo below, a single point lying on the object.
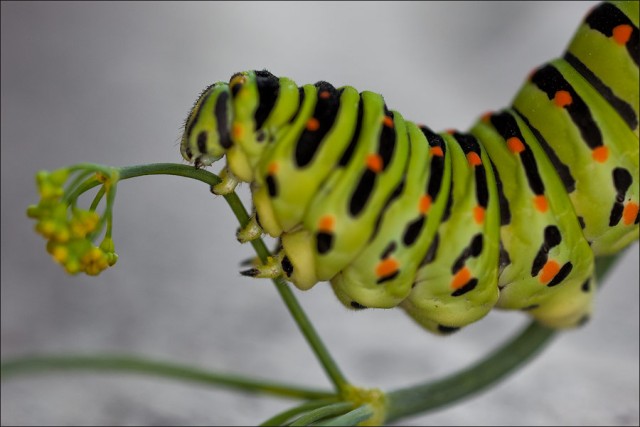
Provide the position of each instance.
(515, 353)
(351, 418)
(131, 364)
(423, 397)
(315, 415)
(285, 416)
(309, 332)
(301, 319)
(176, 169)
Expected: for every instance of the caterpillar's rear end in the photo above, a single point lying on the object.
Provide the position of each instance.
(445, 225)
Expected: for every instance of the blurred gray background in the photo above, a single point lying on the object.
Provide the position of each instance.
(111, 83)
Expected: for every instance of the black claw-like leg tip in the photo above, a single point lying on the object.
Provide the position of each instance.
(252, 272)
(446, 330)
(583, 321)
(357, 305)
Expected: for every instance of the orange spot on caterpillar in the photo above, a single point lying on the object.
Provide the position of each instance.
(562, 98)
(622, 33)
(450, 131)
(374, 162)
(630, 212)
(327, 223)
(387, 267)
(424, 204)
(540, 202)
(313, 124)
(461, 278)
(272, 169)
(478, 214)
(387, 121)
(515, 145)
(473, 158)
(486, 117)
(436, 151)
(600, 154)
(549, 271)
(237, 131)
(324, 94)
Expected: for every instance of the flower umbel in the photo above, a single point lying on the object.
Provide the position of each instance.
(71, 231)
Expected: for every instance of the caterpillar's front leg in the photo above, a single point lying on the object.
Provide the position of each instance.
(251, 231)
(227, 185)
(272, 269)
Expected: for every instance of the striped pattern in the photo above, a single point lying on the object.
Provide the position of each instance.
(446, 225)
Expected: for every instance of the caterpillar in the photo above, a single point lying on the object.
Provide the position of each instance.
(444, 225)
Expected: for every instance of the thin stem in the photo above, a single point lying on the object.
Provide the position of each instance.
(306, 327)
(320, 350)
(323, 355)
(352, 418)
(117, 363)
(300, 317)
(285, 416)
(423, 397)
(322, 413)
(80, 189)
(97, 198)
(77, 187)
(514, 354)
(168, 169)
(70, 192)
(111, 197)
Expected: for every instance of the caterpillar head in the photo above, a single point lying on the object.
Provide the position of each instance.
(206, 135)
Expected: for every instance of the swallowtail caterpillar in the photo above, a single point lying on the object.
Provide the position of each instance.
(445, 225)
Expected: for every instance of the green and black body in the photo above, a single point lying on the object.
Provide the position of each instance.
(445, 225)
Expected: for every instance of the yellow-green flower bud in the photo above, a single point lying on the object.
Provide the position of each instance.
(107, 245)
(109, 249)
(112, 258)
(42, 177)
(49, 191)
(46, 227)
(34, 211)
(59, 177)
(61, 234)
(60, 254)
(72, 267)
(94, 261)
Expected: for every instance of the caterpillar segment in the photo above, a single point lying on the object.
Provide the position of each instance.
(456, 282)
(537, 223)
(605, 52)
(444, 225)
(382, 274)
(584, 107)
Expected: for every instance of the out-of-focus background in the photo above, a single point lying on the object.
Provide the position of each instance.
(111, 83)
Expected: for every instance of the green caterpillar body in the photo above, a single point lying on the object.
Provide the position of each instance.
(445, 225)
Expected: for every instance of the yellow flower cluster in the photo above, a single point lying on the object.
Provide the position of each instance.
(68, 228)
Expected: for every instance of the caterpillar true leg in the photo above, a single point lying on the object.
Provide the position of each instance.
(227, 185)
(249, 232)
(270, 270)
